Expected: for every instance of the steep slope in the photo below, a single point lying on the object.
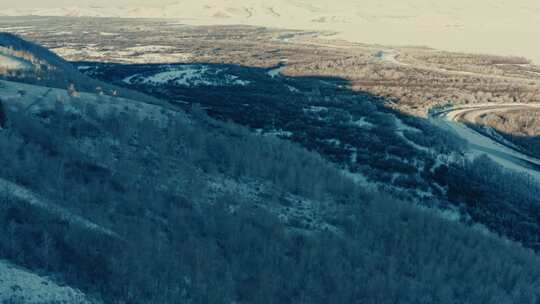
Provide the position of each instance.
(37, 54)
(195, 200)
(24, 61)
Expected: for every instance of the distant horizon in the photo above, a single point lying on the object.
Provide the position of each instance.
(502, 27)
(38, 4)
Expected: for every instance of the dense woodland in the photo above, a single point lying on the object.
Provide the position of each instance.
(359, 132)
(171, 243)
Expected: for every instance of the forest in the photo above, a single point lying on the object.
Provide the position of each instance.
(164, 240)
(320, 184)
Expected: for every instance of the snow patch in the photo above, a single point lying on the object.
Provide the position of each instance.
(363, 123)
(85, 52)
(275, 72)
(334, 142)
(138, 54)
(21, 286)
(401, 126)
(280, 133)
(315, 109)
(292, 89)
(150, 48)
(10, 62)
(189, 76)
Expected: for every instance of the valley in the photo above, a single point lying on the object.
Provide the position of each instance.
(364, 107)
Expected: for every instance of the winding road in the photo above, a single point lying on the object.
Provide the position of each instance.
(498, 149)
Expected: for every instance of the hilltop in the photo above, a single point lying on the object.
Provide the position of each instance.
(26, 62)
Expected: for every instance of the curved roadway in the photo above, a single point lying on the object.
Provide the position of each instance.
(498, 149)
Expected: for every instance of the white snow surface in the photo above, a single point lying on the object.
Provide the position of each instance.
(504, 27)
(402, 127)
(42, 98)
(363, 123)
(137, 54)
(292, 89)
(188, 75)
(150, 48)
(155, 58)
(275, 72)
(279, 133)
(9, 62)
(315, 109)
(18, 285)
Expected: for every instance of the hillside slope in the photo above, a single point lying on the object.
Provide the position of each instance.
(417, 159)
(42, 66)
(27, 62)
(204, 211)
(20, 286)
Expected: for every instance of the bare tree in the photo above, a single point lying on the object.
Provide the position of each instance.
(3, 118)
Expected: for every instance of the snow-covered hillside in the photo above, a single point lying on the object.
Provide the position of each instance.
(11, 63)
(188, 75)
(45, 68)
(41, 64)
(18, 285)
(37, 99)
(501, 27)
